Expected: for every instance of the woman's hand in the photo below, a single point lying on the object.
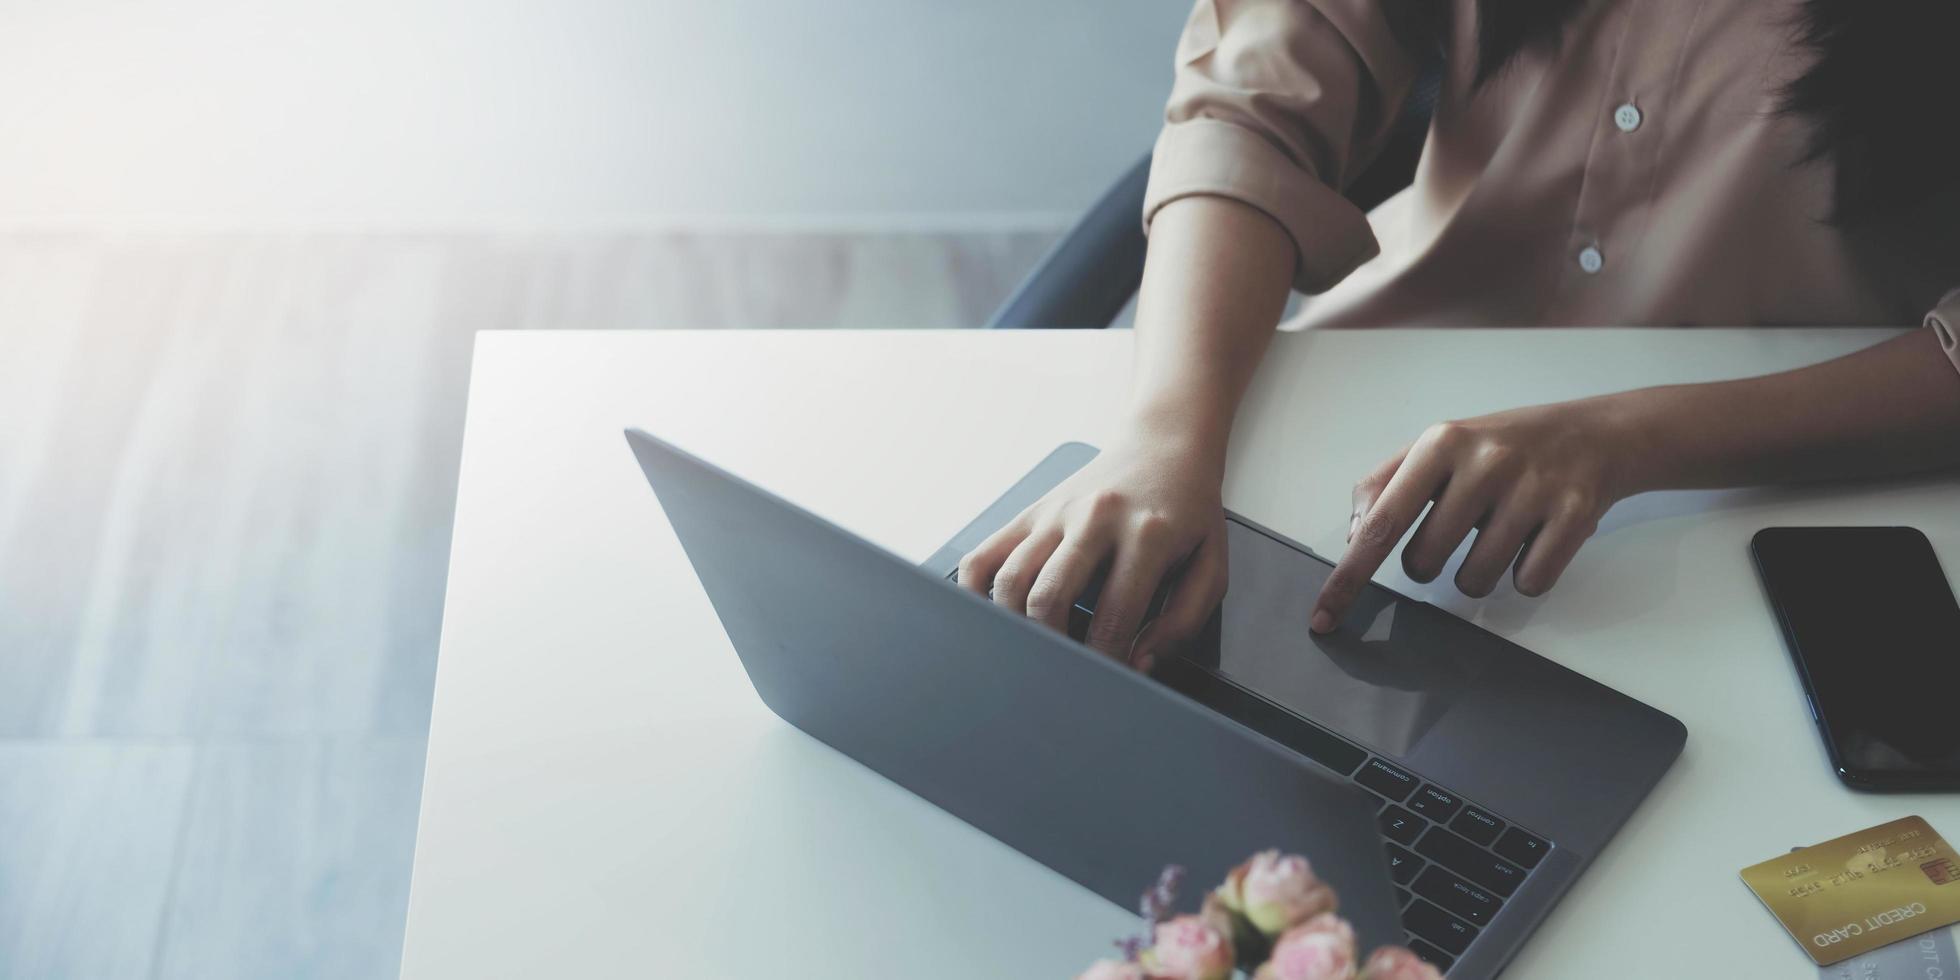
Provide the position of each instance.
(1146, 508)
(1533, 482)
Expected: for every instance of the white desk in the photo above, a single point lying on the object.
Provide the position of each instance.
(606, 797)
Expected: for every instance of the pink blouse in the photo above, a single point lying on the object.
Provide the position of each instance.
(1640, 174)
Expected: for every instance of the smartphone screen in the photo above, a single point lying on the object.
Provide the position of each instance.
(1875, 633)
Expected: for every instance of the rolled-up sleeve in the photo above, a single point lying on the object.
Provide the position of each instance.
(1277, 104)
(1944, 321)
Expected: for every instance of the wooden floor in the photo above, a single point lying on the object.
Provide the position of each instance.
(227, 467)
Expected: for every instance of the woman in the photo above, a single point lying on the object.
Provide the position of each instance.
(1664, 162)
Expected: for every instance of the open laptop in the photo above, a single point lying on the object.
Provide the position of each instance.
(1451, 785)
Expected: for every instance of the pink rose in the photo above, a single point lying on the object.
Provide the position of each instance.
(1322, 948)
(1276, 892)
(1189, 948)
(1113, 970)
(1396, 963)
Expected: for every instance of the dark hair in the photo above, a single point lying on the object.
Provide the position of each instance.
(1881, 95)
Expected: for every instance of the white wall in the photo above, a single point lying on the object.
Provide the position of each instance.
(405, 111)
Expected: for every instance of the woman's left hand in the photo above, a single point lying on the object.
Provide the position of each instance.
(1533, 483)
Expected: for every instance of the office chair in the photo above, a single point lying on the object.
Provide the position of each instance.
(1087, 278)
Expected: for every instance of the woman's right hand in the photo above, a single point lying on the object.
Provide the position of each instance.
(1146, 508)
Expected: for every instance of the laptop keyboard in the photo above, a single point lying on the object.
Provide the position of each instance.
(1454, 863)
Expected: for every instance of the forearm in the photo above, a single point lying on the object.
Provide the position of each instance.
(1215, 282)
(1888, 410)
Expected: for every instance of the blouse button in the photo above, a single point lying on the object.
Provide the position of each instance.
(1591, 260)
(1627, 117)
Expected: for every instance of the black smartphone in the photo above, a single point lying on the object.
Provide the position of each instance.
(1875, 633)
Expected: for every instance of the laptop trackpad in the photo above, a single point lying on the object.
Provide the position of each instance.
(1384, 678)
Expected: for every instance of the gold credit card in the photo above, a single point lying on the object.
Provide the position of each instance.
(1863, 890)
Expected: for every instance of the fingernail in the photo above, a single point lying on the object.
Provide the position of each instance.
(1322, 621)
(1354, 524)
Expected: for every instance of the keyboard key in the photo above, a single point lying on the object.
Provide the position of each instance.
(1400, 825)
(1478, 826)
(1386, 779)
(1436, 803)
(1448, 932)
(1522, 847)
(1402, 865)
(1404, 896)
(1434, 957)
(1456, 895)
(1469, 860)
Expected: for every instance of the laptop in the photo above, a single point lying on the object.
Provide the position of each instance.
(1449, 784)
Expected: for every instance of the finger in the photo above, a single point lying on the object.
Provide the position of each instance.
(1142, 558)
(1067, 573)
(1384, 524)
(1496, 547)
(1363, 496)
(1023, 564)
(1199, 589)
(1459, 506)
(1552, 548)
(977, 567)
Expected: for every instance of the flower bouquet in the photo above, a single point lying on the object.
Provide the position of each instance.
(1271, 918)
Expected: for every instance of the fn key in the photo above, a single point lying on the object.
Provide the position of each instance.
(1521, 847)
